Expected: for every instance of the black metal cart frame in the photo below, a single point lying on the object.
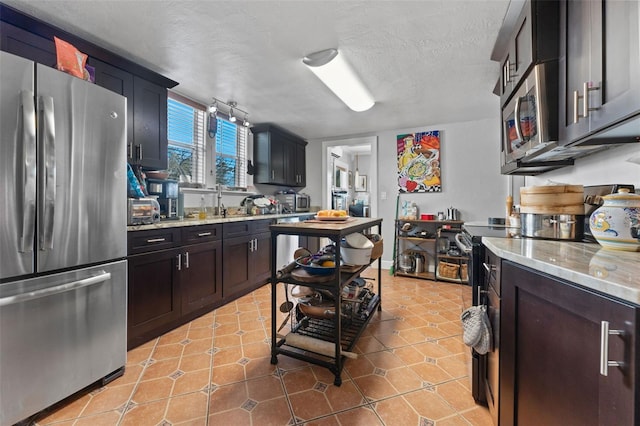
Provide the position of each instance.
(333, 329)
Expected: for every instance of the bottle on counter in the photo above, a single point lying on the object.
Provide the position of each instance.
(202, 213)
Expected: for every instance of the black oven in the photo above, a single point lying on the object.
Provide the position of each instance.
(470, 242)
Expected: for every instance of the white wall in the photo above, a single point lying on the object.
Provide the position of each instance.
(606, 167)
(471, 179)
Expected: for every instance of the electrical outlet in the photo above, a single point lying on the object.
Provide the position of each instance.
(383, 195)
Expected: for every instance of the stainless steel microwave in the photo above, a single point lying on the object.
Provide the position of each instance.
(295, 202)
(530, 117)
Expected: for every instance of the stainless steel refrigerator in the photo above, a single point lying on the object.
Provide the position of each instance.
(63, 278)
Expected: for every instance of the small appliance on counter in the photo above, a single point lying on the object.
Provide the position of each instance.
(295, 202)
(167, 192)
(142, 211)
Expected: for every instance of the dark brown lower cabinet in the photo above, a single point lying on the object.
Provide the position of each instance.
(553, 341)
(173, 277)
(153, 294)
(247, 256)
(201, 276)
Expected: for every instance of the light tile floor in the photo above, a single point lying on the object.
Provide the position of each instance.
(412, 369)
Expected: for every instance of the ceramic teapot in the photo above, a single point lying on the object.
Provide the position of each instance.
(616, 224)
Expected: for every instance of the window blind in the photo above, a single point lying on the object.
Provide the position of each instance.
(185, 131)
(231, 146)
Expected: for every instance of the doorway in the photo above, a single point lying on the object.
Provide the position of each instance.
(358, 157)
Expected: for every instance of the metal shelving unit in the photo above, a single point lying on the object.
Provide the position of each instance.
(421, 236)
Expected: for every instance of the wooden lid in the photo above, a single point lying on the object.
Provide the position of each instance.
(551, 189)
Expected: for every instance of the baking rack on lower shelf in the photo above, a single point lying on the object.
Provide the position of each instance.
(326, 339)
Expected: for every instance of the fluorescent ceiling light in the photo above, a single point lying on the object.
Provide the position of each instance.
(336, 73)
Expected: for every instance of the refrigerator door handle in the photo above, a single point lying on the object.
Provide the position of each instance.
(47, 172)
(28, 132)
(23, 297)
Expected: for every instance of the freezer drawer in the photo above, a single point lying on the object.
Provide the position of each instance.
(59, 333)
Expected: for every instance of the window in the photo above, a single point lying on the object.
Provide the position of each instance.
(185, 129)
(231, 154)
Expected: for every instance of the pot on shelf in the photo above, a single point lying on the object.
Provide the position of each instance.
(616, 224)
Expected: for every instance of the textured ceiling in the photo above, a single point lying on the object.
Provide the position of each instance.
(425, 62)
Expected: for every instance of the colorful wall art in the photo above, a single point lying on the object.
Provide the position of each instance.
(419, 162)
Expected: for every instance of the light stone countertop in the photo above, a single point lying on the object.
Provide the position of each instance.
(612, 272)
(211, 220)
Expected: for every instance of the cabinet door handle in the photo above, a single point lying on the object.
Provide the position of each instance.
(604, 348)
(273, 174)
(186, 260)
(507, 72)
(156, 240)
(179, 262)
(576, 114)
(585, 102)
(130, 150)
(255, 242)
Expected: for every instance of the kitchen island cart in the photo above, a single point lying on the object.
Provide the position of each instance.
(339, 332)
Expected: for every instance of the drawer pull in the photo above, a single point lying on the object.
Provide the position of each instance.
(156, 240)
(605, 332)
(204, 234)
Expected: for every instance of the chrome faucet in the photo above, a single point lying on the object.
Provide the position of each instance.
(219, 198)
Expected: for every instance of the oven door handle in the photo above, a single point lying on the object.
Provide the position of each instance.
(461, 244)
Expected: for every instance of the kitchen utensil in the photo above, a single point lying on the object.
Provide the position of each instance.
(316, 269)
(305, 277)
(552, 226)
(616, 224)
(407, 262)
(356, 256)
(452, 213)
(419, 262)
(286, 306)
(552, 199)
(358, 241)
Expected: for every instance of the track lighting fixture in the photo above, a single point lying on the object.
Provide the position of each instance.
(232, 118)
(230, 108)
(213, 108)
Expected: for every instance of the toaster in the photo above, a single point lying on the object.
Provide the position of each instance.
(143, 211)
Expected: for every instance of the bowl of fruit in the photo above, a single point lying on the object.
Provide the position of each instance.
(321, 263)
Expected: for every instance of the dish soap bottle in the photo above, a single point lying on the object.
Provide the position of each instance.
(202, 214)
